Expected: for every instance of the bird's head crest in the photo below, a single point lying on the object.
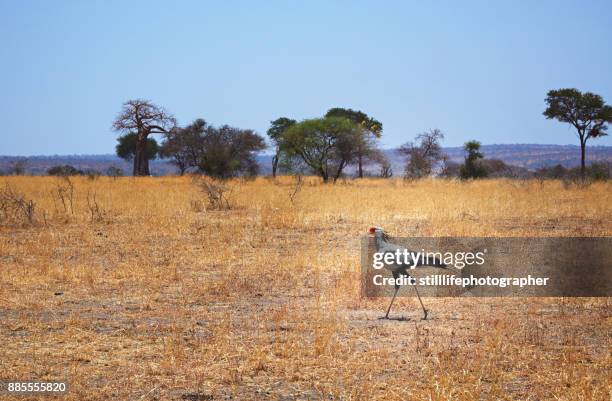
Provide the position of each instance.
(375, 229)
(378, 230)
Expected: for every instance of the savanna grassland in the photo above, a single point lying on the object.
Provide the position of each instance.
(136, 289)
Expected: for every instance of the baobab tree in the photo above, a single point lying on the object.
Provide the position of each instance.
(143, 118)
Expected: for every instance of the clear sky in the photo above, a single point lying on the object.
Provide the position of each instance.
(476, 70)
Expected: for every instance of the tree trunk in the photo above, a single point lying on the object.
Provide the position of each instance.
(360, 162)
(141, 161)
(145, 164)
(582, 157)
(136, 164)
(274, 164)
(339, 171)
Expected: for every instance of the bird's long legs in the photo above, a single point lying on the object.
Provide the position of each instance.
(422, 306)
(392, 299)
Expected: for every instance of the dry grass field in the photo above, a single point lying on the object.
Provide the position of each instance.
(134, 289)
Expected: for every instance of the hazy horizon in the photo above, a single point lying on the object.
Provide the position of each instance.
(269, 152)
(478, 71)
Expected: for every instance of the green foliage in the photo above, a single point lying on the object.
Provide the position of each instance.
(371, 130)
(228, 152)
(472, 168)
(221, 152)
(587, 112)
(367, 123)
(276, 130)
(325, 145)
(181, 145)
(126, 147)
(64, 170)
(278, 127)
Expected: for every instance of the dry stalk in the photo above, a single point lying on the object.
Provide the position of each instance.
(15, 208)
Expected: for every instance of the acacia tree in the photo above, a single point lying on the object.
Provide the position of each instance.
(423, 154)
(183, 145)
(142, 118)
(587, 112)
(275, 132)
(371, 130)
(326, 145)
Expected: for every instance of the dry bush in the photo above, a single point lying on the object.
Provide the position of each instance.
(197, 206)
(15, 208)
(96, 212)
(63, 194)
(299, 183)
(218, 192)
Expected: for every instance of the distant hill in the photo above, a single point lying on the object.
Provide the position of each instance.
(526, 156)
(535, 156)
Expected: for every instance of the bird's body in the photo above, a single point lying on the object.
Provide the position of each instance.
(400, 267)
(384, 246)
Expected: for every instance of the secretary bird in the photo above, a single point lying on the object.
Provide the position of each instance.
(397, 269)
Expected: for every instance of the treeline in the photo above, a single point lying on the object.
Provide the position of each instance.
(68, 170)
(327, 146)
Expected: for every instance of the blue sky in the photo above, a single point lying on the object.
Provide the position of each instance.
(475, 70)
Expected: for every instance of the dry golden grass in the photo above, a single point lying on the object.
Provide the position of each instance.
(159, 298)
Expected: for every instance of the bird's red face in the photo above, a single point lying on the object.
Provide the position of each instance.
(372, 230)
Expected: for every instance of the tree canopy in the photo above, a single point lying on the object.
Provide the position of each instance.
(369, 124)
(126, 147)
(182, 145)
(326, 145)
(227, 152)
(276, 130)
(472, 168)
(371, 130)
(221, 152)
(586, 112)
